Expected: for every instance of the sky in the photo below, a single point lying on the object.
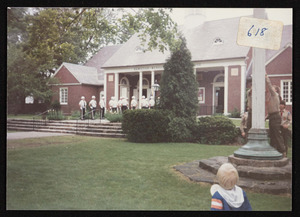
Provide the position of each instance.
(280, 14)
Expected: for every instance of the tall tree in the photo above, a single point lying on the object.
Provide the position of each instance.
(59, 35)
(179, 93)
(178, 85)
(41, 39)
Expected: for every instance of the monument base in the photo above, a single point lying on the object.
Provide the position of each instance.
(257, 147)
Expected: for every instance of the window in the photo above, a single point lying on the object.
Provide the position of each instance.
(145, 82)
(287, 91)
(220, 78)
(63, 95)
(218, 41)
(201, 95)
(29, 100)
(124, 81)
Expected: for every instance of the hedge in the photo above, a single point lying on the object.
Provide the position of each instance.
(215, 130)
(146, 125)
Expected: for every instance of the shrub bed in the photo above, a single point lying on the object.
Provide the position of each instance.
(143, 125)
(114, 117)
(55, 115)
(215, 130)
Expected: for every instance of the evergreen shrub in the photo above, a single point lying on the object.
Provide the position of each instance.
(146, 125)
(114, 117)
(179, 129)
(235, 113)
(56, 115)
(215, 130)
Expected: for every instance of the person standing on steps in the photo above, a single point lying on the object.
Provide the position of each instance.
(102, 107)
(82, 106)
(93, 105)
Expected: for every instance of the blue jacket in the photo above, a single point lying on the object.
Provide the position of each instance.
(220, 204)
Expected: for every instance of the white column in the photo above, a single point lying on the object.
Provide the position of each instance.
(117, 86)
(152, 82)
(258, 81)
(105, 89)
(195, 71)
(140, 89)
(225, 90)
(243, 88)
(258, 89)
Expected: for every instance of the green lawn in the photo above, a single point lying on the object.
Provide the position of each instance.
(77, 172)
(237, 122)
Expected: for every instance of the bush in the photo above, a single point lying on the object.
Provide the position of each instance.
(215, 130)
(55, 115)
(235, 113)
(56, 105)
(143, 125)
(179, 130)
(114, 117)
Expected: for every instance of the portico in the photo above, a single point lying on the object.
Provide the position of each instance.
(131, 81)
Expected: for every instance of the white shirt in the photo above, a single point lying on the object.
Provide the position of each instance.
(82, 103)
(124, 102)
(93, 103)
(102, 103)
(133, 103)
(151, 102)
(114, 104)
(144, 103)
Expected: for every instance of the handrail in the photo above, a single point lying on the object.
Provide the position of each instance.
(33, 117)
(85, 115)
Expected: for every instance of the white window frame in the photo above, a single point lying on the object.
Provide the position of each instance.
(289, 100)
(203, 97)
(65, 102)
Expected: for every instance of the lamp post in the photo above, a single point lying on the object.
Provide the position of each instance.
(155, 87)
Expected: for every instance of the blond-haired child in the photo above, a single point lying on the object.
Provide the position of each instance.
(227, 196)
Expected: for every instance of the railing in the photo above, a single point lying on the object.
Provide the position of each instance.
(210, 110)
(85, 118)
(40, 114)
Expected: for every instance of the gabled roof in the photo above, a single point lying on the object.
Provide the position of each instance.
(101, 57)
(286, 39)
(200, 41)
(84, 74)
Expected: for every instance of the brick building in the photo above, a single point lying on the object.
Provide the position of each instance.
(220, 67)
(77, 80)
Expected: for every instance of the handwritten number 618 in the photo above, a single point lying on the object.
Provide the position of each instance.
(261, 32)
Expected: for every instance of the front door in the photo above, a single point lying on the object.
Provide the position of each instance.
(220, 100)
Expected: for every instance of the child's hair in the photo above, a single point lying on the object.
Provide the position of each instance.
(227, 176)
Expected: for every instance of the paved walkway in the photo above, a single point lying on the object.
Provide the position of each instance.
(32, 134)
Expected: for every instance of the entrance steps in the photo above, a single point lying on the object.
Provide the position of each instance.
(86, 127)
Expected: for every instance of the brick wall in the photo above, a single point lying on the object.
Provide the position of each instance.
(282, 64)
(234, 88)
(75, 91)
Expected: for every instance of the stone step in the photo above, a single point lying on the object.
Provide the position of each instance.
(85, 128)
(86, 133)
(197, 174)
(83, 122)
(259, 173)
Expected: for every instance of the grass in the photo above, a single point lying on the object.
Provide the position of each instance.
(87, 173)
(237, 122)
